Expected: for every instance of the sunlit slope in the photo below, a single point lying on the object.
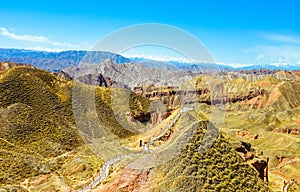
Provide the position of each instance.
(37, 121)
(219, 168)
(264, 112)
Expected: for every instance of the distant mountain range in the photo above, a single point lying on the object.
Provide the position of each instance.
(288, 67)
(56, 61)
(128, 75)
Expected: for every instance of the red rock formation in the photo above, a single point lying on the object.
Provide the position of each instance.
(157, 117)
(169, 95)
(131, 180)
(245, 133)
(292, 131)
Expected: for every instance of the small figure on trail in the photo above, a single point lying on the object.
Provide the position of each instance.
(146, 147)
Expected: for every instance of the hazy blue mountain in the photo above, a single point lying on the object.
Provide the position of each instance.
(56, 61)
(174, 65)
(204, 67)
(155, 64)
(288, 67)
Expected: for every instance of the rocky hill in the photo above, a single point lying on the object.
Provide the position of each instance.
(189, 167)
(38, 127)
(131, 75)
(264, 112)
(219, 168)
(58, 132)
(261, 109)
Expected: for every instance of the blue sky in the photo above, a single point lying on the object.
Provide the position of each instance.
(236, 32)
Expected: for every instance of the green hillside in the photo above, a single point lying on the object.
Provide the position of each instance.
(37, 122)
(220, 168)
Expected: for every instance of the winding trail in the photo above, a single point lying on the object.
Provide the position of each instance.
(289, 162)
(105, 168)
(280, 176)
(105, 171)
(165, 129)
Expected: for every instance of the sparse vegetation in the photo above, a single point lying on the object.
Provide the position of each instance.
(37, 123)
(45, 122)
(220, 168)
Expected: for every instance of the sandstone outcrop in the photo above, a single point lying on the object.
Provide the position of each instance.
(130, 180)
(293, 131)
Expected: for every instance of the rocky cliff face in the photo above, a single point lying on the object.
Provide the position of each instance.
(8, 65)
(100, 80)
(169, 96)
(173, 97)
(131, 74)
(63, 75)
(276, 100)
(293, 130)
(259, 164)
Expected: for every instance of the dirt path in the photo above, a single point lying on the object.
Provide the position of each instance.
(103, 174)
(288, 162)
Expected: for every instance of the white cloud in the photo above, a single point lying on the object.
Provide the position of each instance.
(282, 54)
(260, 57)
(61, 44)
(31, 38)
(44, 40)
(280, 64)
(236, 65)
(179, 59)
(277, 49)
(165, 58)
(287, 39)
